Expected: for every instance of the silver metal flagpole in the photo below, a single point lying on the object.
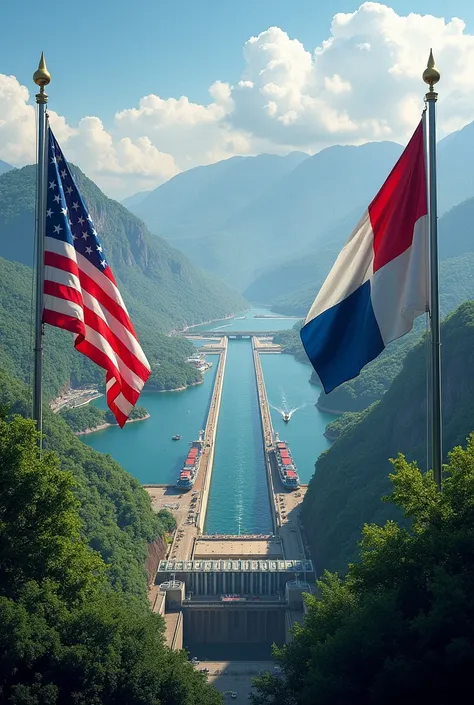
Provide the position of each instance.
(41, 77)
(431, 76)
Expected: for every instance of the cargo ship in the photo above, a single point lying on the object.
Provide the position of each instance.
(190, 469)
(286, 465)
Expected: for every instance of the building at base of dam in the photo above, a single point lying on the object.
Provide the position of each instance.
(235, 601)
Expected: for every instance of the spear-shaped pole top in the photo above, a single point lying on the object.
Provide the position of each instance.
(431, 75)
(42, 76)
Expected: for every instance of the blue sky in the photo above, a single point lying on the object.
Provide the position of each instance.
(119, 70)
(106, 54)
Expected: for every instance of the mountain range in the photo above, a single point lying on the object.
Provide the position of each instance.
(271, 225)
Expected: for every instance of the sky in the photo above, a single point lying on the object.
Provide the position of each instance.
(143, 90)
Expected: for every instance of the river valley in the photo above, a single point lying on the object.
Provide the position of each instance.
(238, 500)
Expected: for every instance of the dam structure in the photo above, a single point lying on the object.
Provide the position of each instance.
(233, 589)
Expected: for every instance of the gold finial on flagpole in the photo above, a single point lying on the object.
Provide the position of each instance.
(431, 75)
(42, 77)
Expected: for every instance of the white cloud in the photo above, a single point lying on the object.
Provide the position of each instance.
(363, 82)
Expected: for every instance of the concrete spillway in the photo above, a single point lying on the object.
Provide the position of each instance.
(211, 624)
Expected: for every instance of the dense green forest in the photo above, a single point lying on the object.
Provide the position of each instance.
(399, 628)
(290, 342)
(456, 286)
(66, 635)
(90, 416)
(352, 475)
(63, 365)
(115, 510)
(160, 286)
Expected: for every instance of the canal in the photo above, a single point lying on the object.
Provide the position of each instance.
(238, 500)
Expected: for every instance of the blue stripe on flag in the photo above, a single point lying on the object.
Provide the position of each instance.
(342, 340)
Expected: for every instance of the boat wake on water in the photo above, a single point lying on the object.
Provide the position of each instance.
(287, 413)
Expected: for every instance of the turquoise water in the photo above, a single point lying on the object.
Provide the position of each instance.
(288, 388)
(247, 321)
(145, 448)
(238, 501)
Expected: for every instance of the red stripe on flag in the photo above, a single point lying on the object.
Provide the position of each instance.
(61, 291)
(401, 201)
(100, 358)
(123, 352)
(119, 415)
(106, 301)
(52, 259)
(109, 274)
(61, 320)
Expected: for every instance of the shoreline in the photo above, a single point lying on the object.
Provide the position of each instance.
(332, 412)
(105, 425)
(178, 389)
(205, 323)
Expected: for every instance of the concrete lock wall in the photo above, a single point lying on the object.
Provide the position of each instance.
(234, 626)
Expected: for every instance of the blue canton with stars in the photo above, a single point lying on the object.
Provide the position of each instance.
(67, 217)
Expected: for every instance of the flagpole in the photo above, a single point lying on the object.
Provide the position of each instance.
(431, 76)
(41, 77)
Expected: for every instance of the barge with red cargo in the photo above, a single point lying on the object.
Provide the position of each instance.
(189, 471)
(286, 465)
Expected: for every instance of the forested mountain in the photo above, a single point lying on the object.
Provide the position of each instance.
(161, 288)
(399, 627)
(456, 286)
(76, 629)
(117, 517)
(4, 167)
(455, 174)
(352, 475)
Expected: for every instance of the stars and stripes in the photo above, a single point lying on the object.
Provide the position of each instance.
(80, 293)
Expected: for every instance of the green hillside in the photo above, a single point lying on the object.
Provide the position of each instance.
(456, 286)
(161, 289)
(399, 626)
(352, 476)
(115, 510)
(76, 624)
(62, 364)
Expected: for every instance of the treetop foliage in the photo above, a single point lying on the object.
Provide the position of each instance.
(400, 626)
(66, 636)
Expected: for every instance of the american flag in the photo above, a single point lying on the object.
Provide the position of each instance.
(80, 293)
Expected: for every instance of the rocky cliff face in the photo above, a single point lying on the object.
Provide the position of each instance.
(156, 553)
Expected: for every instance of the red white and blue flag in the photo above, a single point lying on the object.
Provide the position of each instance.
(80, 293)
(379, 282)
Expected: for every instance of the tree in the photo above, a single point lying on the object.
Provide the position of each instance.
(400, 626)
(40, 529)
(66, 636)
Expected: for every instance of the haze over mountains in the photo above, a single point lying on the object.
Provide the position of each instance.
(4, 167)
(273, 225)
